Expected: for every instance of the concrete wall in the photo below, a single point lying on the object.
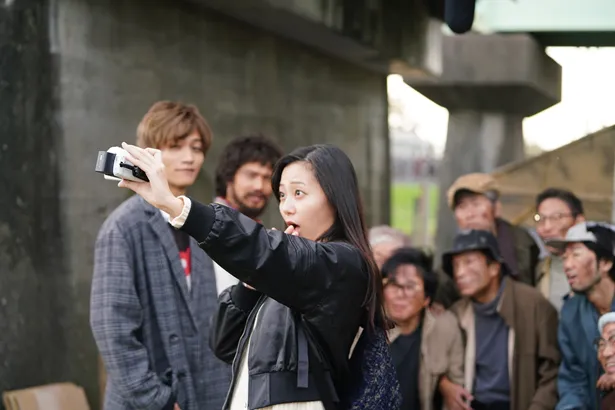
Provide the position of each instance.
(35, 285)
(92, 70)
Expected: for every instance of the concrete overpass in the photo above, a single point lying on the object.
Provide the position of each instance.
(498, 73)
(77, 75)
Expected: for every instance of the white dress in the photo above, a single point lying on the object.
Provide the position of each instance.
(239, 399)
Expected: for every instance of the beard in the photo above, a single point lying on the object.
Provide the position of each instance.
(249, 211)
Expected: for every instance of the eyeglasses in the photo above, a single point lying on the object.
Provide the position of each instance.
(600, 344)
(541, 219)
(407, 288)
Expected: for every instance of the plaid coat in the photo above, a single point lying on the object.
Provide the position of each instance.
(150, 329)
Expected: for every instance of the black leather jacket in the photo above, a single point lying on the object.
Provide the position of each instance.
(322, 285)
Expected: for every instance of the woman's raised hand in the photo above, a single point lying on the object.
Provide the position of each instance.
(290, 230)
(156, 191)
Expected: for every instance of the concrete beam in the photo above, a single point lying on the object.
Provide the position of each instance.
(392, 37)
(496, 73)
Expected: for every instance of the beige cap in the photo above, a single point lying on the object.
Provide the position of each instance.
(477, 182)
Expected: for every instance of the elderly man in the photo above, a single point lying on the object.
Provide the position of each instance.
(424, 347)
(385, 240)
(510, 330)
(606, 355)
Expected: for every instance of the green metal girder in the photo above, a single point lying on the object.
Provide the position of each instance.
(553, 22)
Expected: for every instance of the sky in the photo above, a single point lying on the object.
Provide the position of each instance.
(588, 102)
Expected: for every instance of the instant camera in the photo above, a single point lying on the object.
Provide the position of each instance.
(115, 167)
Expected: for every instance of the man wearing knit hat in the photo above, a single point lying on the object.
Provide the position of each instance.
(588, 251)
(474, 198)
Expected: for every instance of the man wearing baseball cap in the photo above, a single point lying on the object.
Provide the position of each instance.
(588, 251)
(512, 357)
(474, 198)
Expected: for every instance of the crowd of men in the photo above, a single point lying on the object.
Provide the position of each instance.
(527, 334)
(508, 318)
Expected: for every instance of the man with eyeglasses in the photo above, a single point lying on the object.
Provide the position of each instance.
(385, 240)
(557, 210)
(588, 253)
(427, 349)
(605, 345)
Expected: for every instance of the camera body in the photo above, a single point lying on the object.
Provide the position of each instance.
(115, 167)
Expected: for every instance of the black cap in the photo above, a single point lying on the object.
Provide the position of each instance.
(472, 240)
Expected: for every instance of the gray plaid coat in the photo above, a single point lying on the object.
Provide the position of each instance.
(151, 330)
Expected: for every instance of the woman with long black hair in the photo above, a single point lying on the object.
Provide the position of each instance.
(289, 328)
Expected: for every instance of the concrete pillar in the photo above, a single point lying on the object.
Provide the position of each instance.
(34, 293)
(76, 76)
(489, 84)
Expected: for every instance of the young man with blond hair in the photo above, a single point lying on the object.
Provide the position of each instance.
(154, 289)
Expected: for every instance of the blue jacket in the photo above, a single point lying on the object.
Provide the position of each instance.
(579, 369)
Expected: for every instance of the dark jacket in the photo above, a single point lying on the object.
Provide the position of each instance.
(321, 284)
(519, 250)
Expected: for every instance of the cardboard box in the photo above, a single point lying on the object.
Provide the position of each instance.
(59, 396)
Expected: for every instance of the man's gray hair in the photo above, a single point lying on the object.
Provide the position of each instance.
(605, 320)
(385, 233)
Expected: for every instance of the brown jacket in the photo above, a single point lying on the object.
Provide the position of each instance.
(608, 401)
(533, 353)
(441, 354)
(543, 276)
